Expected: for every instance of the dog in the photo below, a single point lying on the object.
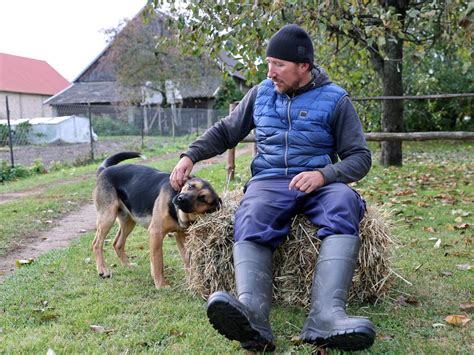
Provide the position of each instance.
(137, 194)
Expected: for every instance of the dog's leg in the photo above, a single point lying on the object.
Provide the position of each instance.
(180, 242)
(156, 237)
(105, 222)
(126, 227)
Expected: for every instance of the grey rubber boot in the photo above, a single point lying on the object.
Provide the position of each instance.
(328, 323)
(246, 318)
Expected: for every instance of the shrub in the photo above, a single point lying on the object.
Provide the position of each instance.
(3, 134)
(21, 133)
(106, 126)
(9, 173)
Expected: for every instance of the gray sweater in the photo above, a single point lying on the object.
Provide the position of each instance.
(354, 156)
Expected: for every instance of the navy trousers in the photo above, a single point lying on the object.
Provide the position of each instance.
(268, 206)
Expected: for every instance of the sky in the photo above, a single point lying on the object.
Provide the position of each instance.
(67, 34)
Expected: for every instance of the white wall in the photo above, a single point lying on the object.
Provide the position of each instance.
(24, 105)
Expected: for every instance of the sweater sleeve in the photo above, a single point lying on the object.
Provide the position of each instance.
(351, 147)
(227, 132)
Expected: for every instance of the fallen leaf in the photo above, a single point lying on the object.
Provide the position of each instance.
(22, 262)
(450, 227)
(405, 192)
(457, 319)
(176, 333)
(429, 229)
(464, 267)
(462, 226)
(446, 273)
(467, 306)
(97, 328)
(296, 340)
(386, 337)
(461, 213)
(406, 301)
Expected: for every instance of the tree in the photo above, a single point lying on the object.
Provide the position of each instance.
(380, 28)
(227, 94)
(144, 50)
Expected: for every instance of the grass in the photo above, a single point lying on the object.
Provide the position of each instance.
(64, 191)
(153, 147)
(52, 303)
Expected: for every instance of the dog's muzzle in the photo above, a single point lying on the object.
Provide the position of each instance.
(184, 202)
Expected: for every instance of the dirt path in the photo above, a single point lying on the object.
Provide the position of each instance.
(68, 228)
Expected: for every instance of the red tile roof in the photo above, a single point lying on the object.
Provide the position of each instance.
(32, 76)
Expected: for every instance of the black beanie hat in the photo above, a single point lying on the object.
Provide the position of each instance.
(291, 43)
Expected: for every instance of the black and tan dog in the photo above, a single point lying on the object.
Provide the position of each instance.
(137, 194)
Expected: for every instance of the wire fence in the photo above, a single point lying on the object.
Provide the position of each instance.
(83, 132)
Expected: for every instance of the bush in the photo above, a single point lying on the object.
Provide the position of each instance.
(21, 133)
(227, 94)
(3, 134)
(106, 126)
(9, 173)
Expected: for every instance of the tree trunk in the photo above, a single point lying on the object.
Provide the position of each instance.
(392, 118)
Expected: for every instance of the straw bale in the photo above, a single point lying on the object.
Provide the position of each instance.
(210, 245)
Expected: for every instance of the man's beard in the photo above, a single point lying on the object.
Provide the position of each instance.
(287, 89)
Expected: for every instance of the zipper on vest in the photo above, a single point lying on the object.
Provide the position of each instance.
(286, 135)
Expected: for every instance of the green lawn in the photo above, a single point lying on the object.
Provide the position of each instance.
(52, 303)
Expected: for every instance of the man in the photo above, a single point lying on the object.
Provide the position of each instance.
(303, 124)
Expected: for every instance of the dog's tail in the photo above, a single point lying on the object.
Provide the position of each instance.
(117, 158)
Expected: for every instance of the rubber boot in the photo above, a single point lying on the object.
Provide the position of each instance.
(328, 323)
(246, 318)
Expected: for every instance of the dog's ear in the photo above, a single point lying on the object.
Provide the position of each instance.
(217, 206)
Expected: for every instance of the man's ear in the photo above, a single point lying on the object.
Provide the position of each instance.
(305, 66)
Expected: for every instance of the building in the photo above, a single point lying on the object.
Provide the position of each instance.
(98, 86)
(28, 83)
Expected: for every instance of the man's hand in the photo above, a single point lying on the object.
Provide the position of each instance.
(307, 181)
(180, 173)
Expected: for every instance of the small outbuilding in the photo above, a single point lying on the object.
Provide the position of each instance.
(64, 129)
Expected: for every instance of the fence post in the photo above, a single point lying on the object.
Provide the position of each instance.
(89, 114)
(10, 139)
(231, 152)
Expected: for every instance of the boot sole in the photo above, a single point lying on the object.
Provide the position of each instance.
(229, 321)
(357, 339)
(361, 338)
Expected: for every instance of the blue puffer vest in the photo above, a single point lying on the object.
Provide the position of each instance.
(293, 134)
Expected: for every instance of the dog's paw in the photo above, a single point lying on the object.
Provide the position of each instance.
(162, 284)
(106, 274)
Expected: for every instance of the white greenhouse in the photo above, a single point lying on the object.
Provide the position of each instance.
(64, 129)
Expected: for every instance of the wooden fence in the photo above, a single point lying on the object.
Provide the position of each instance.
(379, 136)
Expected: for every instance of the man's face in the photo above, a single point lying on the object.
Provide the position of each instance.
(287, 76)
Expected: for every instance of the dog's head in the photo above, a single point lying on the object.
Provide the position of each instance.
(196, 197)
